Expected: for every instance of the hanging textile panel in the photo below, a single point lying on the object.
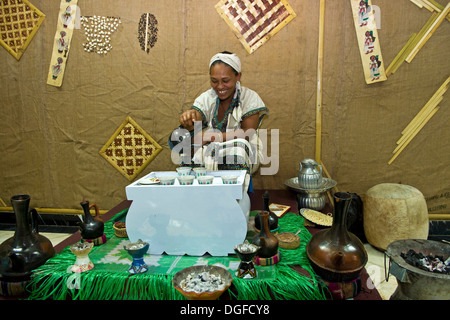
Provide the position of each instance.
(61, 45)
(130, 149)
(147, 31)
(364, 14)
(19, 22)
(254, 22)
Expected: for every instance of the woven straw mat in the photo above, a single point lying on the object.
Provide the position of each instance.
(19, 21)
(255, 21)
(130, 149)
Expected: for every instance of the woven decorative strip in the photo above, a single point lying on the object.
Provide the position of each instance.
(67, 17)
(130, 149)
(368, 40)
(19, 22)
(147, 31)
(254, 22)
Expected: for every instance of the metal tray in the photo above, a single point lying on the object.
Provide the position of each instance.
(327, 184)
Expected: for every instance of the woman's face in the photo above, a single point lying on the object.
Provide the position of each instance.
(223, 80)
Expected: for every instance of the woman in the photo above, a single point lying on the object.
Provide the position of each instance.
(232, 115)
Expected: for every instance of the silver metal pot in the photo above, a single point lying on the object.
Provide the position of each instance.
(311, 200)
(309, 174)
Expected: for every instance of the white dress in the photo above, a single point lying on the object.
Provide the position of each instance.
(235, 153)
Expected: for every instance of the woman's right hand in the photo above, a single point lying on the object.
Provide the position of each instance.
(188, 117)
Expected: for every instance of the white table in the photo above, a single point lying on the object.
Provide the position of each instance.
(194, 219)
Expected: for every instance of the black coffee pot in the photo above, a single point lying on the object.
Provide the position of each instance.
(27, 249)
(92, 227)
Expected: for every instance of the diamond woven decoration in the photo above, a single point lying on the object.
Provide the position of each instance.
(19, 22)
(130, 149)
(254, 22)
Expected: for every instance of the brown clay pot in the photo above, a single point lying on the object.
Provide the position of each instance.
(273, 219)
(336, 254)
(265, 239)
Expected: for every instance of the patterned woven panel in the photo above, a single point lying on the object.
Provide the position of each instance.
(130, 149)
(254, 22)
(19, 21)
(368, 40)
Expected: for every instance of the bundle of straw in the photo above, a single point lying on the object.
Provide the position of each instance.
(418, 40)
(420, 120)
(430, 5)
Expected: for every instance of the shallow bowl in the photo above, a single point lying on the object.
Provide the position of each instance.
(207, 295)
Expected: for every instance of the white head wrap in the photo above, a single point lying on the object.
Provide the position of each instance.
(230, 59)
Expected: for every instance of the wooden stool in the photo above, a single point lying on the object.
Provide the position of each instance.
(394, 212)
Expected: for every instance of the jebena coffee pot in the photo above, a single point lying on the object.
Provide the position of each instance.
(27, 249)
(92, 227)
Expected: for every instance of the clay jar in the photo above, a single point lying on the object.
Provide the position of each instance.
(27, 249)
(336, 254)
(273, 219)
(264, 239)
(92, 227)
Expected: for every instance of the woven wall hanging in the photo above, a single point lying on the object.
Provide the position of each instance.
(19, 22)
(130, 149)
(254, 22)
(368, 41)
(61, 44)
(98, 31)
(147, 31)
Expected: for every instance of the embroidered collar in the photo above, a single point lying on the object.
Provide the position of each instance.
(222, 125)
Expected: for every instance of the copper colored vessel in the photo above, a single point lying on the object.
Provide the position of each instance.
(336, 254)
(264, 239)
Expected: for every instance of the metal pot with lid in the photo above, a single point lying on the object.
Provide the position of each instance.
(310, 174)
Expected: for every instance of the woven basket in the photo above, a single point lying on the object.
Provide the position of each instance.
(317, 217)
(288, 240)
(120, 230)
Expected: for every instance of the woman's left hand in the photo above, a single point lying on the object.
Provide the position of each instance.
(208, 136)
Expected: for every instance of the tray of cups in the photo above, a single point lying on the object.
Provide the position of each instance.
(187, 176)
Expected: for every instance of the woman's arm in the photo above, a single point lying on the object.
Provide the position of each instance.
(188, 117)
(248, 128)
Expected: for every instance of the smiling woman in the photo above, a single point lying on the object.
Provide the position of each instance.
(231, 115)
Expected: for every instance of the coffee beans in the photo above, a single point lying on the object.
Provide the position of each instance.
(147, 31)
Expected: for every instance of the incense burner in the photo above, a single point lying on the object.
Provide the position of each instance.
(137, 250)
(81, 251)
(246, 252)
